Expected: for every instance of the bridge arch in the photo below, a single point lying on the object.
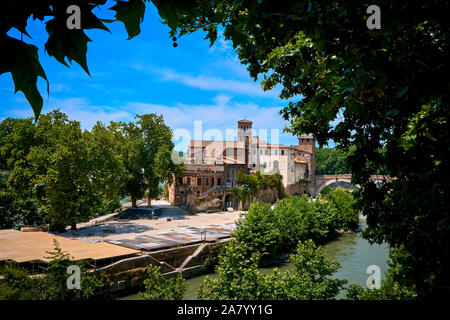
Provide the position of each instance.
(330, 182)
(326, 180)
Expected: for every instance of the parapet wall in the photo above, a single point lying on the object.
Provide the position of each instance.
(128, 275)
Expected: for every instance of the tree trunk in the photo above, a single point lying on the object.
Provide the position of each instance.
(73, 226)
(149, 202)
(240, 205)
(133, 202)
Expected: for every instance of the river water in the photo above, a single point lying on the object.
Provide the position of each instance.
(353, 252)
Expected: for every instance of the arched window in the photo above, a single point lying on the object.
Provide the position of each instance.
(275, 165)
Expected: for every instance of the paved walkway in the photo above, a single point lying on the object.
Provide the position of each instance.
(179, 236)
(143, 233)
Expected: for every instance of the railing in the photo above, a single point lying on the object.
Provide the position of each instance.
(218, 187)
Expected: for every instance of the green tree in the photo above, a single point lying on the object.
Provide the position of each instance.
(238, 277)
(159, 288)
(159, 148)
(103, 153)
(331, 161)
(133, 157)
(241, 193)
(18, 202)
(323, 220)
(292, 221)
(54, 283)
(382, 88)
(313, 277)
(258, 230)
(61, 172)
(326, 191)
(16, 284)
(344, 203)
(147, 153)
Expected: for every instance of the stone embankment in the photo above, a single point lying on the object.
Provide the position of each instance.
(128, 275)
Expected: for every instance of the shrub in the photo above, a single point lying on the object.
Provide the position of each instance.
(54, 283)
(259, 231)
(17, 284)
(344, 203)
(238, 277)
(159, 288)
(323, 219)
(292, 221)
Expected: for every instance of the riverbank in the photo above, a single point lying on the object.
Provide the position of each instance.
(353, 252)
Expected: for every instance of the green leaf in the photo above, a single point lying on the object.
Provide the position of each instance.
(22, 61)
(212, 34)
(131, 14)
(63, 43)
(168, 11)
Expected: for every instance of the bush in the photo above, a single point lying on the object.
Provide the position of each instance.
(238, 277)
(159, 288)
(323, 219)
(18, 285)
(258, 181)
(54, 283)
(259, 231)
(292, 221)
(344, 203)
(313, 275)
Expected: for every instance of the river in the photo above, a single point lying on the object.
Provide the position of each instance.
(353, 252)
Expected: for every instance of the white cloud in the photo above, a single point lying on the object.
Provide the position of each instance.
(210, 83)
(217, 84)
(221, 114)
(79, 109)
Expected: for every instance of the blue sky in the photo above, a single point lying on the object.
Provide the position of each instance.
(192, 82)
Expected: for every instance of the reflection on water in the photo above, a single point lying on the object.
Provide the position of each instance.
(353, 252)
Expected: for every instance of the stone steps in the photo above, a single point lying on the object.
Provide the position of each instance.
(192, 256)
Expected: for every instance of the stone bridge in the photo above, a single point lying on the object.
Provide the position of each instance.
(320, 182)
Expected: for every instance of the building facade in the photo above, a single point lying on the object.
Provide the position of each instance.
(213, 165)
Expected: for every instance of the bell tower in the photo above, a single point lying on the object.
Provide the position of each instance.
(245, 135)
(308, 144)
(244, 130)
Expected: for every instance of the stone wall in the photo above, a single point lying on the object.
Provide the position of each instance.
(269, 195)
(208, 205)
(128, 275)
